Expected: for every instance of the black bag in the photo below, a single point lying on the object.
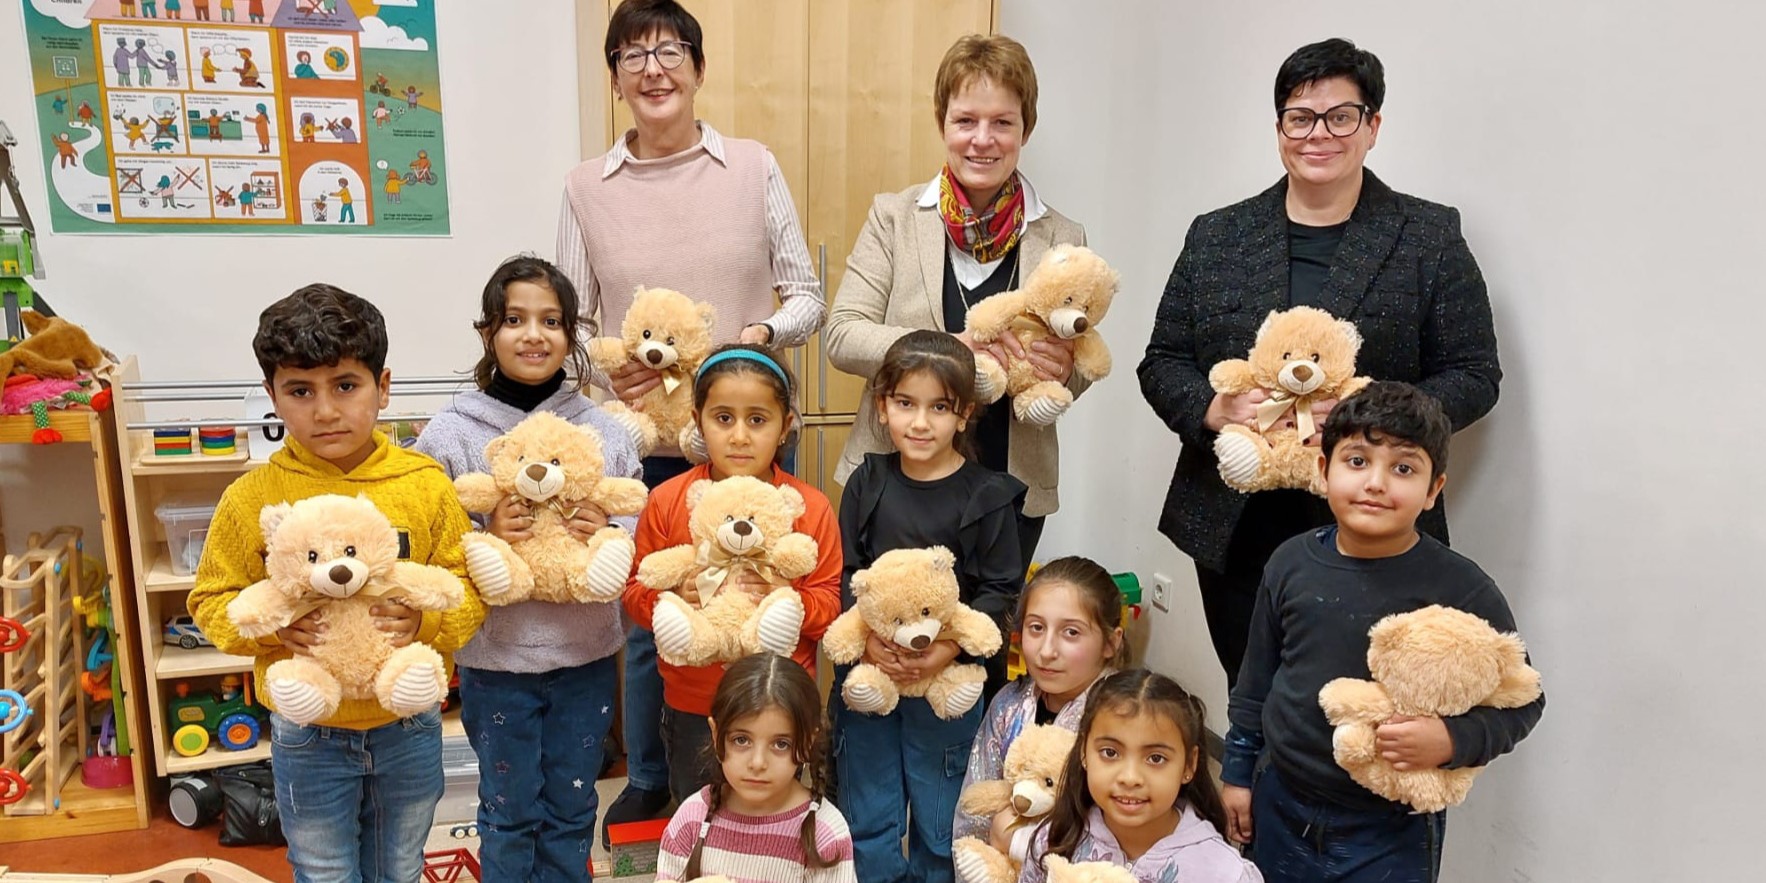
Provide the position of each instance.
(250, 816)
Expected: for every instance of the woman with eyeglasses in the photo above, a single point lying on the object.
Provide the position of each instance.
(675, 204)
(1329, 235)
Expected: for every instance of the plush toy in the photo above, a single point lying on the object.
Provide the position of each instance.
(36, 396)
(549, 461)
(339, 555)
(1061, 870)
(738, 523)
(1432, 662)
(1301, 356)
(1033, 768)
(1065, 297)
(910, 597)
(55, 347)
(666, 331)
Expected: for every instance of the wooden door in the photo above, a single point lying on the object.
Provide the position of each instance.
(818, 455)
(871, 67)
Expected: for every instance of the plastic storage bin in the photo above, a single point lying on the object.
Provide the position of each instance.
(186, 525)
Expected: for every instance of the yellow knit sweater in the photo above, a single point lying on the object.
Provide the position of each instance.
(413, 492)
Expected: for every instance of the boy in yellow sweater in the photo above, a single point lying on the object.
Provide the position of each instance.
(357, 791)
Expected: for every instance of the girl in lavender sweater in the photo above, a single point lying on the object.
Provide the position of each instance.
(538, 682)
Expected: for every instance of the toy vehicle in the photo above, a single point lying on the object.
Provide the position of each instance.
(182, 630)
(227, 716)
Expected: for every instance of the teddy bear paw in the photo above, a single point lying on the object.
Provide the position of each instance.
(693, 445)
(416, 691)
(1240, 461)
(865, 698)
(488, 571)
(673, 630)
(298, 701)
(611, 566)
(959, 700)
(969, 858)
(990, 379)
(781, 626)
(1040, 411)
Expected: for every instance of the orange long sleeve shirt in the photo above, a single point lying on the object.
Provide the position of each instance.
(665, 523)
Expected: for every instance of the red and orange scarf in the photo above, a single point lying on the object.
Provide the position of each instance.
(988, 235)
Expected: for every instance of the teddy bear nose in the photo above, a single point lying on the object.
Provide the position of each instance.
(921, 642)
(340, 574)
(742, 528)
(536, 472)
(1020, 804)
(654, 356)
(1080, 324)
(1302, 373)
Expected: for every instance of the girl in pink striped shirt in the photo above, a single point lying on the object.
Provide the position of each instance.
(757, 822)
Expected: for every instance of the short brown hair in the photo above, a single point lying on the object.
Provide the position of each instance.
(997, 58)
(320, 325)
(634, 20)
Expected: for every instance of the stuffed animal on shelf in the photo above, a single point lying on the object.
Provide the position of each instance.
(36, 396)
(54, 347)
(339, 555)
(1431, 662)
(666, 331)
(1301, 356)
(1033, 768)
(737, 523)
(1065, 297)
(910, 597)
(549, 461)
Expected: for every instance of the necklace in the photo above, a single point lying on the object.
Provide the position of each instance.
(1011, 283)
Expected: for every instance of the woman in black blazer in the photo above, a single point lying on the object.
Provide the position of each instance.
(1329, 235)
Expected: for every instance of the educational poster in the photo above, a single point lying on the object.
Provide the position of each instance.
(315, 117)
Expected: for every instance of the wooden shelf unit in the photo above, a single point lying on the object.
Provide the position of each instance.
(80, 809)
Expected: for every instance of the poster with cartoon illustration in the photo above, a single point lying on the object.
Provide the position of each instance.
(273, 116)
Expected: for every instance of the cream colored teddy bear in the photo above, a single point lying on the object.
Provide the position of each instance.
(1301, 356)
(339, 555)
(1033, 769)
(1061, 870)
(666, 331)
(737, 523)
(1432, 662)
(910, 597)
(1065, 297)
(547, 460)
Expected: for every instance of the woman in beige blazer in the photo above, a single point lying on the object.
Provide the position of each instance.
(930, 251)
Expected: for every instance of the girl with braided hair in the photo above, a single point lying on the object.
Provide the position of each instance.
(758, 822)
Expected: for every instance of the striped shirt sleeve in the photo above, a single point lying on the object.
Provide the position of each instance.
(802, 305)
(573, 261)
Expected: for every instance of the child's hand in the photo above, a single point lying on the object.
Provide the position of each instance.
(999, 836)
(749, 582)
(688, 590)
(1238, 812)
(303, 634)
(585, 521)
(397, 621)
(1414, 743)
(884, 654)
(631, 381)
(922, 664)
(511, 521)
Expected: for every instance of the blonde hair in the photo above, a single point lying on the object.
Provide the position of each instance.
(997, 58)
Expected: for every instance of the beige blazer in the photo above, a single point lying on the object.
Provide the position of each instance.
(894, 284)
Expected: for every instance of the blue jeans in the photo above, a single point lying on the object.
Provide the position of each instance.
(1299, 840)
(357, 805)
(539, 740)
(646, 761)
(900, 774)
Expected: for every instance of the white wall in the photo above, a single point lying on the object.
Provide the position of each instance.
(187, 306)
(1605, 156)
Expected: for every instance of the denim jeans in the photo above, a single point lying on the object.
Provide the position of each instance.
(1296, 840)
(539, 741)
(900, 774)
(357, 805)
(646, 760)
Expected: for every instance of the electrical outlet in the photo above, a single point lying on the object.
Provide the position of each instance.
(1162, 592)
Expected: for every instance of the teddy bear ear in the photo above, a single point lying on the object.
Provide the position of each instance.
(495, 449)
(697, 492)
(1268, 322)
(271, 517)
(794, 506)
(707, 314)
(942, 559)
(859, 583)
(1351, 333)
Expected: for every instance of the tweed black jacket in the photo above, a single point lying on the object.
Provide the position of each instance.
(1403, 274)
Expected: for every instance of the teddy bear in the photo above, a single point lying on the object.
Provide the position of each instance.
(1061, 870)
(1300, 356)
(1064, 297)
(339, 555)
(910, 597)
(738, 523)
(1033, 768)
(671, 333)
(548, 461)
(55, 348)
(1432, 662)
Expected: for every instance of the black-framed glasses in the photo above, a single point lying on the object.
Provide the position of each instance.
(1342, 121)
(669, 54)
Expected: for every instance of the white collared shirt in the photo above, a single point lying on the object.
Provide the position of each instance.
(971, 272)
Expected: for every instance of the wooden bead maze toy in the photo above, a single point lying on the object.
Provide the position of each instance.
(42, 708)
